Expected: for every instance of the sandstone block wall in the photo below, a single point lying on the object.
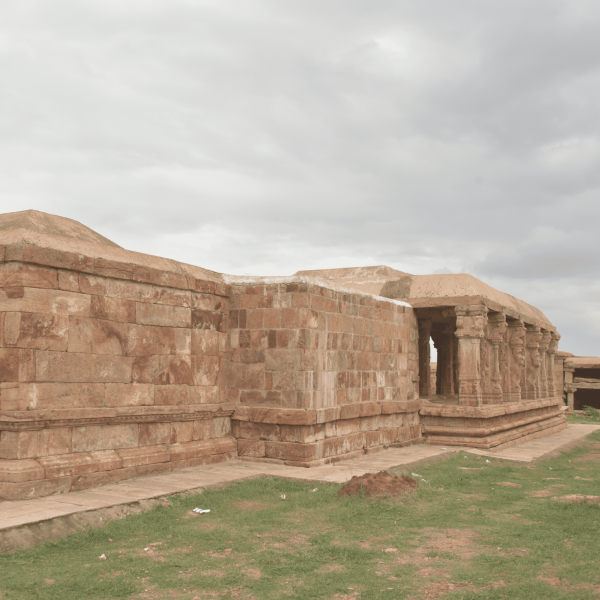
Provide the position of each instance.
(115, 364)
(105, 373)
(319, 375)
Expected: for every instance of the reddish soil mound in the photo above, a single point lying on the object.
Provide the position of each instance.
(378, 484)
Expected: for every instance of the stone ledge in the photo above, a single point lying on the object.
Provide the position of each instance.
(333, 459)
(502, 439)
(25, 420)
(59, 474)
(297, 416)
(172, 274)
(488, 411)
(484, 431)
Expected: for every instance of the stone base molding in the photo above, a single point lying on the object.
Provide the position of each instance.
(491, 426)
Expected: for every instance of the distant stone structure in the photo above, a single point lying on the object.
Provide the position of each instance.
(115, 364)
(581, 380)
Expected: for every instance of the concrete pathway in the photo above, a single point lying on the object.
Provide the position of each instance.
(20, 513)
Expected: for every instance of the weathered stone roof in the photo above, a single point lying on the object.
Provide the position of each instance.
(423, 291)
(39, 228)
(430, 291)
(361, 279)
(38, 237)
(60, 242)
(583, 362)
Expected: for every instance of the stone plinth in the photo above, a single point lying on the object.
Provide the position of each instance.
(496, 427)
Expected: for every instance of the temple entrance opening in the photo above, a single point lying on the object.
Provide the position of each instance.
(438, 380)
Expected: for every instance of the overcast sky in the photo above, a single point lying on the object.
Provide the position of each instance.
(263, 137)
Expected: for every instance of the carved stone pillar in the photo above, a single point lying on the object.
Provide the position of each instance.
(551, 354)
(471, 321)
(424, 357)
(544, 345)
(497, 339)
(533, 362)
(516, 360)
(485, 364)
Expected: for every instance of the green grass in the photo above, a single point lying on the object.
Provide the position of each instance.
(590, 415)
(461, 535)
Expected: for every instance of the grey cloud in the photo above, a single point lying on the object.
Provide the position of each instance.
(265, 137)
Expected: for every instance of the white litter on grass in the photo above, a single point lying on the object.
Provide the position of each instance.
(416, 475)
(201, 510)
(313, 490)
(102, 557)
(550, 468)
(486, 460)
(283, 496)
(146, 549)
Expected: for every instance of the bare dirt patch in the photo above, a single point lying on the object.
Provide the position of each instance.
(253, 573)
(458, 542)
(441, 588)
(509, 484)
(578, 499)
(378, 485)
(545, 493)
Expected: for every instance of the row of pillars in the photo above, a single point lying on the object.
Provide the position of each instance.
(487, 358)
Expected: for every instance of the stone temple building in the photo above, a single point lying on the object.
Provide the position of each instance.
(114, 364)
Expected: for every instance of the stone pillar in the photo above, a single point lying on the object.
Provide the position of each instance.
(455, 366)
(424, 357)
(516, 360)
(569, 389)
(444, 344)
(447, 382)
(471, 321)
(551, 354)
(544, 345)
(497, 339)
(533, 362)
(485, 363)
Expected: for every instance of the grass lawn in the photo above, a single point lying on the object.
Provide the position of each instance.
(463, 534)
(591, 415)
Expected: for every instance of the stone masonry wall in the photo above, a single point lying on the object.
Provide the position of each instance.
(107, 371)
(320, 375)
